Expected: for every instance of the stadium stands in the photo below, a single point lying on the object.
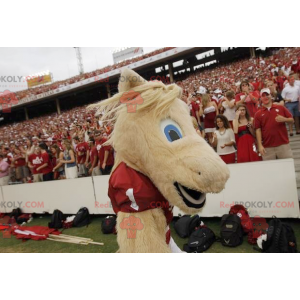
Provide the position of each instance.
(19, 140)
(46, 88)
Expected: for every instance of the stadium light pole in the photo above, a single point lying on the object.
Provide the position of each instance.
(79, 60)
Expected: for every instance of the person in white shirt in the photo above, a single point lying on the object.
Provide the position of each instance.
(224, 140)
(297, 81)
(228, 103)
(291, 94)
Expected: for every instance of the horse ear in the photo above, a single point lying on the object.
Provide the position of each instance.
(129, 79)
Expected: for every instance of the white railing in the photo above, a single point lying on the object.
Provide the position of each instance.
(267, 188)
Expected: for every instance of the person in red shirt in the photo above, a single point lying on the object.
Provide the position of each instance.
(105, 155)
(83, 155)
(19, 162)
(256, 85)
(195, 108)
(94, 169)
(250, 99)
(271, 133)
(295, 67)
(34, 162)
(46, 167)
(280, 80)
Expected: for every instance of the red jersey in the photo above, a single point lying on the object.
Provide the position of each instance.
(101, 152)
(296, 67)
(274, 133)
(81, 151)
(36, 161)
(257, 85)
(195, 108)
(99, 144)
(46, 159)
(93, 154)
(20, 162)
(250, 104)
(130, 191)
(280, 81)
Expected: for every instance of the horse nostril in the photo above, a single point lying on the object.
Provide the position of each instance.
(199, 173)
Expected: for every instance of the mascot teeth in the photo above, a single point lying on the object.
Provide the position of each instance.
(191, 197)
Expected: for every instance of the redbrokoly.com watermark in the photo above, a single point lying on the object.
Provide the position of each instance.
(21, 204)
(259, 204)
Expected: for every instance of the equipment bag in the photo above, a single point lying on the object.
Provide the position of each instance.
(23, 218)
(200, 240)
(243, 214)
(15, 213)
(231, 231)
(109, 225)
(280, 238)
(186, 225)
(56, 220)
(82, 218)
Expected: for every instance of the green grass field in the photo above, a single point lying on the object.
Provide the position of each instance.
(93, 231)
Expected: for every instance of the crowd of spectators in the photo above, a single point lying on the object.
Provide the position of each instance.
(241, 107)
(245, 106)
(55, 85)
(62, 146)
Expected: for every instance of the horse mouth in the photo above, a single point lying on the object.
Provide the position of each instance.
(191, 198)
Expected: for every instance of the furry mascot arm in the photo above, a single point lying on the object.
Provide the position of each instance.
(142, 232)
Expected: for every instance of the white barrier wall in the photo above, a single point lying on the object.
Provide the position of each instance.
(2, 205)
(65, 195)
(265, 188)
(102, 204)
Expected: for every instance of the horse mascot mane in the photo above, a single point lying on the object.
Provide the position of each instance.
(160, 162)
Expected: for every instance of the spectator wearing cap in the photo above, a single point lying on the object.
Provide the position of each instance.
(49, 142)
(4, 171)
(291, 94)
(217, 97)
(271, 132)
(250, 99)
(46, 167)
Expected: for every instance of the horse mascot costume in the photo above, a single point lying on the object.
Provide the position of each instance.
(160, 162)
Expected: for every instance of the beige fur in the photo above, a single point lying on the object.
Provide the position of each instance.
(140, 143)
(151, 239)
